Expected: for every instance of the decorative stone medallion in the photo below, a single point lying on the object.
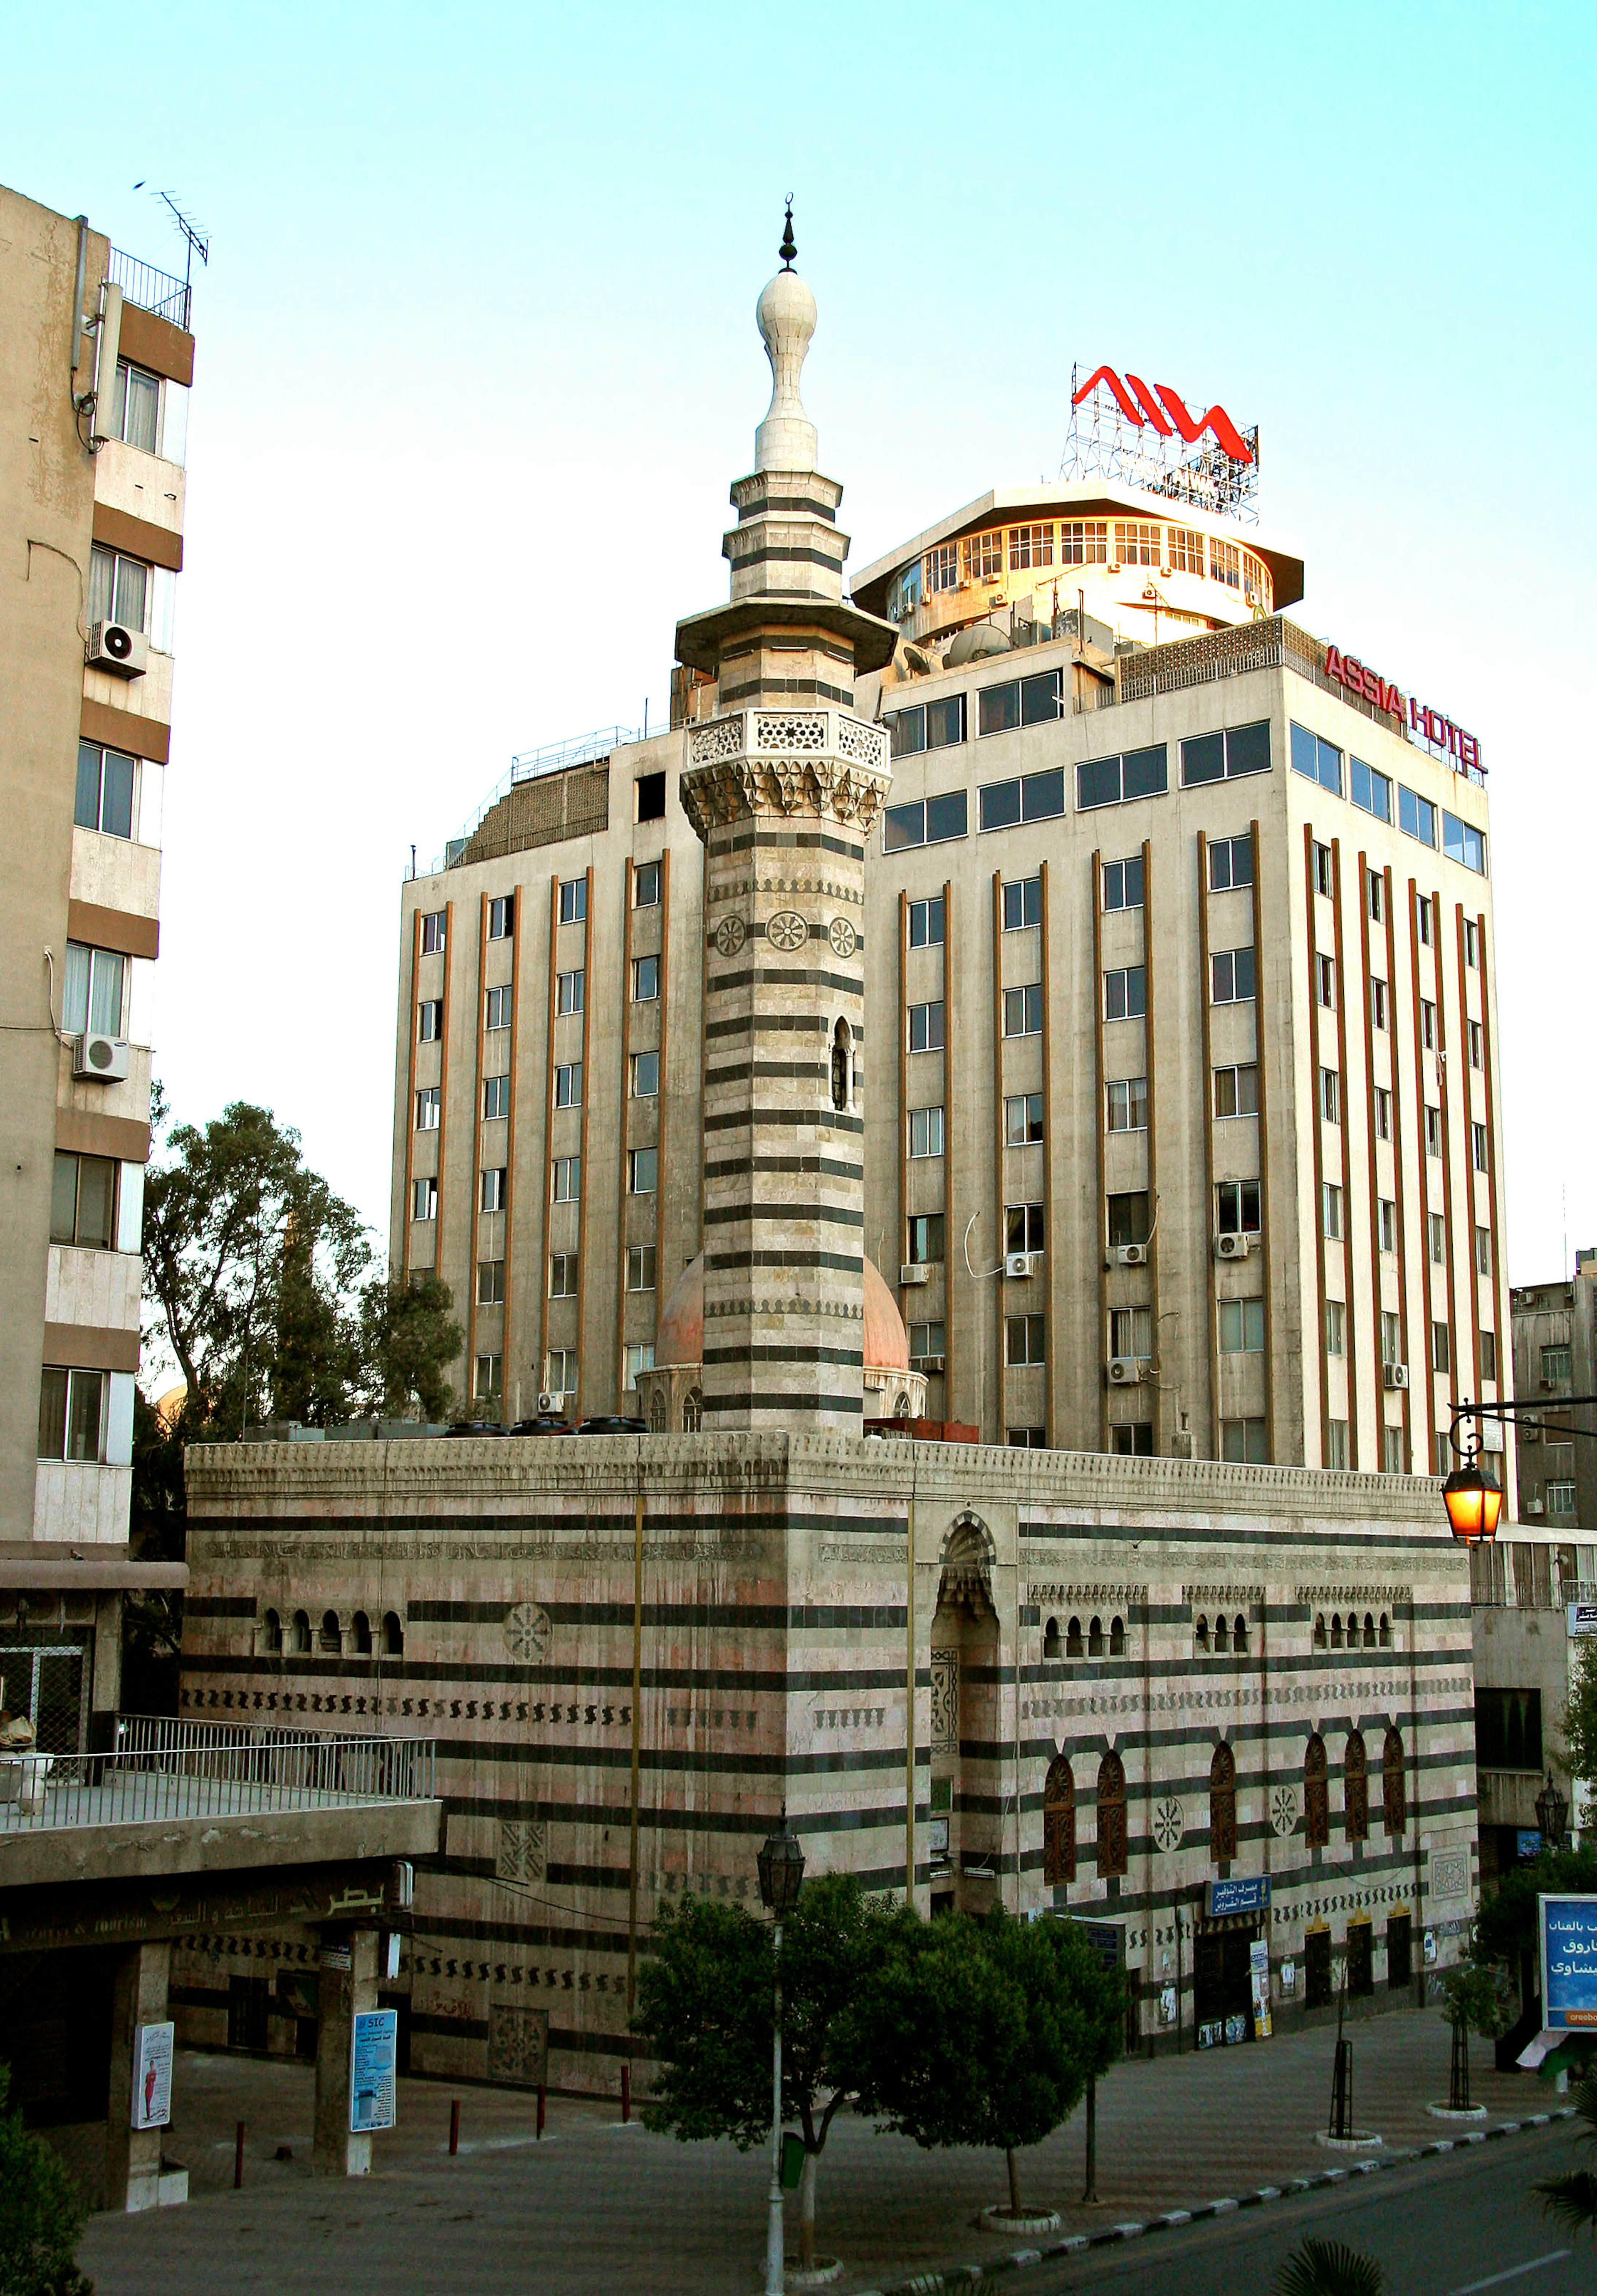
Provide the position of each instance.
(730, 935)
(842, 937)
(1283, 1810)
(526, 1632)
(787, 932)
(1169, 1824)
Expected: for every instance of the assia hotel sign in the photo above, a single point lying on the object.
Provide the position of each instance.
(1429, 723)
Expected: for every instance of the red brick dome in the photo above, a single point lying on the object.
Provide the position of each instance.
(680, 1341)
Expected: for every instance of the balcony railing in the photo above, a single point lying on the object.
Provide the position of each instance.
(151, 290)
(163, 1769)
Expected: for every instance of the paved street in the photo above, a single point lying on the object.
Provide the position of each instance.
(596, 2205)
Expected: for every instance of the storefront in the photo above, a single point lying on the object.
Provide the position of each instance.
(1230, 1964)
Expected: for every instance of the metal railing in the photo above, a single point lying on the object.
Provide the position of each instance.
(532, 765)
(151, 290)
(162, 1769)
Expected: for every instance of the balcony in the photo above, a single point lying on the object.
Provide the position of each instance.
(150, 288)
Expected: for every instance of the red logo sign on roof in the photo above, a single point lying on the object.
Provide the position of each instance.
(1162, 408)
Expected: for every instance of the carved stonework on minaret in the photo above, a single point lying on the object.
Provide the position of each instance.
(784, 787)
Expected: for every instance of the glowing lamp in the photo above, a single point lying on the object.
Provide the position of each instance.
(1473, 1503)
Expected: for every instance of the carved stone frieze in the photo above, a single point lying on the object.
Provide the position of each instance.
(823, 788)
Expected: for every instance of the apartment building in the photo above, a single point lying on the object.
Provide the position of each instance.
(1555, 1358)
(97, 360)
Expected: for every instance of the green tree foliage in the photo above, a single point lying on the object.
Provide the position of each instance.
(706, 2001)
(1506, 1931)
(1329, 2267)
(406, 1336)
(1470, 1998)
(41, 2215)
(1572, 2198)
(1580, 1713)
(987, 2032)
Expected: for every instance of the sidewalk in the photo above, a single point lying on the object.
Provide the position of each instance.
(597, 2206)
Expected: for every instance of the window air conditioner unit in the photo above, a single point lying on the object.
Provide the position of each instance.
(1534, 1506)
(549, 1401)
(1131, 1255)
(914, 1271)
(113, 646)
(104, 1058)
(1124, 1371)
(1231, 1247)
(1016, 1263)
(927, 1363)
(1393, 1375)
(1113, 567)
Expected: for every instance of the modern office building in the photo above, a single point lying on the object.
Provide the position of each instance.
(1177, 1100)
(96, 359)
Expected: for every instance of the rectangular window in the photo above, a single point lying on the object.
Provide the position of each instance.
(925, 1131)
(1473, 1031)
(501, 917)
(495, 1184)
(934, 822)
(906, 735)
(1137, 542)
(1330, 1211)
(1225, 564)
(1416, 816)
(428, 1107)
(1325, 981)
(93, 990)
(1471, 943)
(1023, 1340)
(945, 730)
(1131, 1332)
(1392, 1337)
(1336, 1446)
(429, 1021)
(1031, 545)
(570, 988)
(424, 1200)
(1378, 1003)
(1392, 1451)
(645, 1075)
(118, 588)
(1488, 1354)
(640, 1266)
(567, 1181)
(1331, 1095)
(645, 980)
(574, 901)
(71, 1415)
(1555, 1366)
(1231, 976)
(1129, 1218)
(83, 1201)
(1322, 863)
(926, 923)
(1023, 1227)
(490, 1284)
(497, 1011)
(1127, 1103)
(1023, 1012)
(488, 1385)
(1227, 756)
(1123, 887)
(1464, 844)
(926, 1027)
(560, 1371)
(1428, 1024)
(1483, 1250)
(1185, 549)
(1423, 919)
(1244, 1442)
(1116, 781)
(1236, 1090)
(568, 1083)
(134, 412)
(1387, 1222)
(1478, 1146)
(104, 796)
(1433, 1131)
(1084, 542)
(1242, 1327)
(562, 1275)
(1560, 1498)
(1230, 863)
(924, 1235)
(1440, 1350)
(1336, 1327)
(638, 1358)
(1371, 791)
(1125, 993)
(942, 567)
(643, 1171)
(1375, 889)
(998, 707)
(1237, 1211)
(1436, 1233)
(1022, 1120)
(1037, 797)
(984, 556)
(1383, 1112)
(927, 1341)
(1023, 904)
(1129, 1439)
(1318, 761)
(645, 885)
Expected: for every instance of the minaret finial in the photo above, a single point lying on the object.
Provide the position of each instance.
(788, 248)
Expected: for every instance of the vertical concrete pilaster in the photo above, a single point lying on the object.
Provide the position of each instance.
(347, 1983)
(133, 2156)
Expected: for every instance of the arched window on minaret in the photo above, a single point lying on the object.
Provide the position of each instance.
(842, 1063)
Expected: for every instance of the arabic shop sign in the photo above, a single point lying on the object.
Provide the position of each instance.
(1242, 1897)
(1568, 1927)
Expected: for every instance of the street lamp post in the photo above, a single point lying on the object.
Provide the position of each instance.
(780, 1864)
(1473, 1501)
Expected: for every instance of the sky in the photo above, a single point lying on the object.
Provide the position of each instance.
(476, 362)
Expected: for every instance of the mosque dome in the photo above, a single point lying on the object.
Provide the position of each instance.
(680, 1341)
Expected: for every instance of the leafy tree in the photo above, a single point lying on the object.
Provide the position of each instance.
(1580, 1712)
(1506, 1931)
(152, 1617)
(705, 2003)
(987, 2032)
(407, 1336)
(1572, 2198)
(1471, 1998)
(1329, 2267)
(41, 2215)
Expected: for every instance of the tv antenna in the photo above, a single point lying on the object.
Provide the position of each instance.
(194, 245)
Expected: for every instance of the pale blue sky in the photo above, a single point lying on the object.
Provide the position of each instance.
(476, 362)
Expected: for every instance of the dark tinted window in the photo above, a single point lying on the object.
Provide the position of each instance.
(1248, 749)
(1097, 783)
(651, 797)
(902, 825)
(1043, 795)
(1203, 761)
(946, 722)
(999, 708)
(1145, 773)
(1508, 1729)
(1040, 698)
(906, 730)
(1001, 805)
(1129, 1218)
(945, 816)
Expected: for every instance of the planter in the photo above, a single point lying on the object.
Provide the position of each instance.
(1027, 2220)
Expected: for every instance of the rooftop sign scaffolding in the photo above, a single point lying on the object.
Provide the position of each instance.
(1144, 437)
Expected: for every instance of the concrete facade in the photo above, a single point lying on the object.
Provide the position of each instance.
(1555, 1357)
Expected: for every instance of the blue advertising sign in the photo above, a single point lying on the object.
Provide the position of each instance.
(1569, 1964)
(1243, 1897)
(374, 2054)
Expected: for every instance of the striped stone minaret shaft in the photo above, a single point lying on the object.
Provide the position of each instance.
(784, 784)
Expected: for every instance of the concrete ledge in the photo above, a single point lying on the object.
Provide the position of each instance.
(55, 1856)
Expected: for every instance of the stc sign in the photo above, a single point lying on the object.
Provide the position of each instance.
(1164, 410)
(1429, 724)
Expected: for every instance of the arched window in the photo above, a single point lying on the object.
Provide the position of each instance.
(332, 1637)
(300, 1641)
(1394, 1788)
(1116, 1637)
(360, 1634)
(1095, 1639)
(1074, 1646)
(271, 1635)
(1369, 1631)
(1059, 1825)
(1112, 1816)
(1200, 1632)
(842, 1063)
(1355, 1789)
(692, 1411)
(1222, 1805)
(1336, 1630)
(393, 1635)
(1051, 1639)
(1319, 1631)
(1316, 1794)
(1239, 1634)
(1386, 1631)
(1222, 1633)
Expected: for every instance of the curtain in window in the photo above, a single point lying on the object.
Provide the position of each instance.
(141, 394)
(133, 582)
(102, 574)
(75, 989)
(83, 1415)
(105, 993)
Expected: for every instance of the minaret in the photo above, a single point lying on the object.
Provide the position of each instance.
(783, 785)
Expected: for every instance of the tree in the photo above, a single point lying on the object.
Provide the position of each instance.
(1580, 1712)
(705, 2003)
(1572, 2198)
(152, 1616)
(1470, 1998)
(407, 1337)
(41, 2215)
(987, 2032)
(1329, 2267)
(1506, 1931)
